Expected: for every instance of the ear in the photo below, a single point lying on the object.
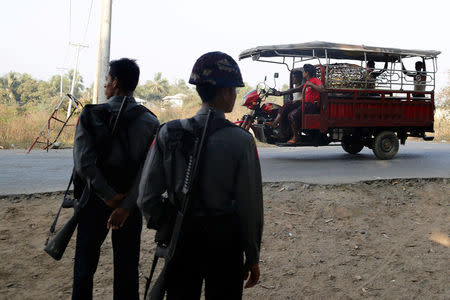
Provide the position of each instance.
(115, 83)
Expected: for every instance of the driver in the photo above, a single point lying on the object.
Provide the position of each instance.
(311, 95)
(282, 119)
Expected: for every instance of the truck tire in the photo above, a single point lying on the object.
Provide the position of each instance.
(351, 145)
(385, 145)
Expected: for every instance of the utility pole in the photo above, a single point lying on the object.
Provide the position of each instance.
(61, 73)
(74, 77)
(104, 43)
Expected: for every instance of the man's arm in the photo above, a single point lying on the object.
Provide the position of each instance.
(375, 74)
(291, 91)
(85, 158)
(152, 184)
(249, 203)
(410, 74)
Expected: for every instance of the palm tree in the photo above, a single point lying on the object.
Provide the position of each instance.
(160, 86)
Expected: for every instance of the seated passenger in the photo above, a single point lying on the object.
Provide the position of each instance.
(311, 96)
(371, 75)
(282, 117)
(420, 76)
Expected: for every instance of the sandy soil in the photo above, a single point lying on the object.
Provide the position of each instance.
(381, 239)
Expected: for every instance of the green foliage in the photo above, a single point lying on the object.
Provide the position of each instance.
(20, 89)
(155, 89)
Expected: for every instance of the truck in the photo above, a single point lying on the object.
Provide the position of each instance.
(355, 110)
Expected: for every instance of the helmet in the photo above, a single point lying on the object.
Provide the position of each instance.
(218, 69)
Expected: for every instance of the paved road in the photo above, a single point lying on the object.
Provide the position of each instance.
(22, 173)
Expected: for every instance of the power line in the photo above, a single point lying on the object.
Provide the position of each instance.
(70, 21)
(87, 24)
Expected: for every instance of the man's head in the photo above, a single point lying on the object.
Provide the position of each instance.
(309, 71)
(216, 76)
(419, 65)
(122, 78)
(297, 76)
(370, 65)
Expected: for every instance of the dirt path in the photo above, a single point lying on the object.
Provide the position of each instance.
(355, 241)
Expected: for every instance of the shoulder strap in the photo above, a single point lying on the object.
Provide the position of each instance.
(136, 112)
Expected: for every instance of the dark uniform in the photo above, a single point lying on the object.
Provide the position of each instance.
(117, 172)
(226, 217)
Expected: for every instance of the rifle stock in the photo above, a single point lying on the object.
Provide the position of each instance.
(58, 244)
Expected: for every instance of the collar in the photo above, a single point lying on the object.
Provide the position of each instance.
(219, 114)
(118, 99)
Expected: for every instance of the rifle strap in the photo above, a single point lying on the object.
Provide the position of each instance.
(53, 227)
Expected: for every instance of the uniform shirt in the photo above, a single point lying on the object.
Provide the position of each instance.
(311, 94)
(229, 180)
(140, 134)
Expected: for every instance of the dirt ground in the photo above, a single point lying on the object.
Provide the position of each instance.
(380, 239)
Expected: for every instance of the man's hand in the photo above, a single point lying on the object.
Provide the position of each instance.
(117, 218)
(277, 93)
(253, 279)
(246, 124)
(114, 202)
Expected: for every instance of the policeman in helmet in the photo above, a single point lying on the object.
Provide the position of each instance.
(221, 238)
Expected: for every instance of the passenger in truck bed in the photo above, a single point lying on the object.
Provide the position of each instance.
(420, 76)
(370, 75)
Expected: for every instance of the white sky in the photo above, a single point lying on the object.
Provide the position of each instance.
(168, 36)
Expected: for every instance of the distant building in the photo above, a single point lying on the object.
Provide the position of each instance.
(174, 101)
(140, 101)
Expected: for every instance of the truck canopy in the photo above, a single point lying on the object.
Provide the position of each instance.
(335, 51)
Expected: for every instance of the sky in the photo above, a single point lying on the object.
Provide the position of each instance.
(168, 36)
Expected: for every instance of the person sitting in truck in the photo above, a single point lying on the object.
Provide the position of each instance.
(420, 76)
(311, 97)
(282, 119)
(370, 75)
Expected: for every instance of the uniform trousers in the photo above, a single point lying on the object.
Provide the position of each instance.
(210, 251)
(91, 233)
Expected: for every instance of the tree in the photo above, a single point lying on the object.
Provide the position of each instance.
(179, 87)
(55, 83)
(154, 90)
(8, 88)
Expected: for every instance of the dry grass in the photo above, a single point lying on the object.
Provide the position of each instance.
(442, 129)
(19, 126)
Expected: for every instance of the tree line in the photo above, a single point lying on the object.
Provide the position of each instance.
(21, 88)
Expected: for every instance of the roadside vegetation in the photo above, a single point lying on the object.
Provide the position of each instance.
(26, 104)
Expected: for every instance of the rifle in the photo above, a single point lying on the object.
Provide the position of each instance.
(58, 244)
(167, 252)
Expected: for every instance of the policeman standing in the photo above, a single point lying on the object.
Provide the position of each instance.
(109, 164)
(225, 221)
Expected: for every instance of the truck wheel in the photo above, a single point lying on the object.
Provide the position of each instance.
(385, 145)
(351, 145)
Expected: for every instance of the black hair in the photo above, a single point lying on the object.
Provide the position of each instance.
(127, 73)
(310, 69)
(371, 64)
(419, 64)
(207, 92)
(297, 73)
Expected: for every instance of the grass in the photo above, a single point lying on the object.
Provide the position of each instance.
(20, 125)
(442, 129)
